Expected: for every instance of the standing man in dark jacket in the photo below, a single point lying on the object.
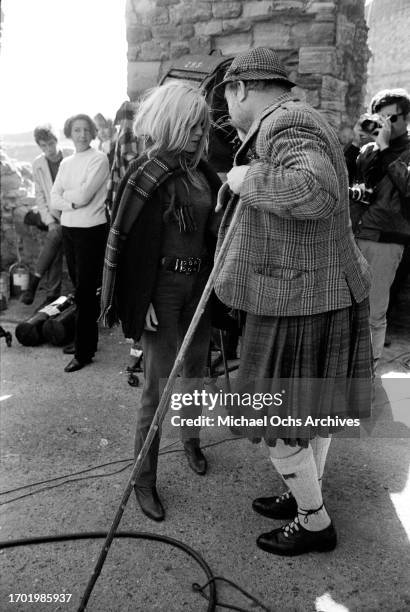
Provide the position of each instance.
(383, 227)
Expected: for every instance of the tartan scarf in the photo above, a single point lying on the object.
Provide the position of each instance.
(126, 150)
(139, 184)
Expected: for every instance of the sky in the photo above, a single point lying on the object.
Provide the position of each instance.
(58, 58)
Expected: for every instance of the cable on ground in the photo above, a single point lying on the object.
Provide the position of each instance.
(211, 596)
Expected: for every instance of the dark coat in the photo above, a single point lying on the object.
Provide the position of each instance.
(387, 219)
(140, 254)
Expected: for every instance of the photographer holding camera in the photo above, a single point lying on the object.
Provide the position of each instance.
(380, 197)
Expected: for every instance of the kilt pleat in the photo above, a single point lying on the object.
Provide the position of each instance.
(323, 363)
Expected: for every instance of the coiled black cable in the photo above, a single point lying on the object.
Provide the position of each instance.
(211, 597)
(92, 535)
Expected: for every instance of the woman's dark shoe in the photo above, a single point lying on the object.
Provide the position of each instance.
(282, 507)
(75, 365)
(150, 503)
(293, 539)
(195, 457)
(69, 349)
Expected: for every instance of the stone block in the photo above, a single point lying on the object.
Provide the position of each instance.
(177, 13)
(226, 10)
(141, 76)
(138, 34)
(334, 89)
(199, 11)
(333, 105)
(154, 50)
(333, 117)
(153, 16)
(131, 17)
(312, 97)
(178, 49)
(167, 2)
(133, 52)
(299, 93)
(236, 25)
(168, 32)
(289, 5)
(320, 60)
(200, 45)
(257, 9)
(272, 34)
(322, 11)
(209, 28)
(313, 33)
(310, 81)
(190, 12)
(345, 31)
(233, 43)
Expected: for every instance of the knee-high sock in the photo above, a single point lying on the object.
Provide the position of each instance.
(298, 468)
(320, 448)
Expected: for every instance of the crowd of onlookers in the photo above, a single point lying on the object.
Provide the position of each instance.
(386, 247)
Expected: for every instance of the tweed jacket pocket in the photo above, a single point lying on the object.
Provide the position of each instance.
(284, 288)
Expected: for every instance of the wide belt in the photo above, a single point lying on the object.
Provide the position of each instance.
(183, 265)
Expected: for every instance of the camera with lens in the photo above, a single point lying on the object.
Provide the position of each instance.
(359, 193)
(370, 123)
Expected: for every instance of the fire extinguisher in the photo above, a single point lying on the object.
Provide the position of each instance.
(19, 272)
(19, 278)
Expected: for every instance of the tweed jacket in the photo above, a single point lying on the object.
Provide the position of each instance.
(293, 251)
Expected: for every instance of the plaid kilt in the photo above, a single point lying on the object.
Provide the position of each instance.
(323, 362)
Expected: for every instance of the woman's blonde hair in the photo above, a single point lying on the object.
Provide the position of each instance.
(165, 118)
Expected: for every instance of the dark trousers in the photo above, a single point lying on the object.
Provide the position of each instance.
(84, 249)
(50, 261)
(175, 300)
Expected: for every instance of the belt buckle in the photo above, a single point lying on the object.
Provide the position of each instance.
(190, 265)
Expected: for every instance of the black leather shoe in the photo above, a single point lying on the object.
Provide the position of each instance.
(69, 349)
(282, 507)
(195, 457)
(75, 365)
(292, 539)
(150, 503)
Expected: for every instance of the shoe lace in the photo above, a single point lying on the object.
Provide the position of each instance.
(290, 528)
(294, 526)
(284, 497)
(306, 513)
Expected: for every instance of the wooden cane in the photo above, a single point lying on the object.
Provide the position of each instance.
(165, 397)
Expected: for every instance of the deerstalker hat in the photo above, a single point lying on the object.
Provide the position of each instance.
(259, 64)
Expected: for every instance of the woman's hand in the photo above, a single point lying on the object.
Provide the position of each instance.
(151, 321)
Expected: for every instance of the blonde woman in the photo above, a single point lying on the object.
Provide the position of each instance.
(163, 217)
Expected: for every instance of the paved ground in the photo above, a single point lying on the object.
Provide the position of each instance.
(54, 424)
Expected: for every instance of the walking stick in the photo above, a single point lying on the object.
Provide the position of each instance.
(164, 401)
(225, 361)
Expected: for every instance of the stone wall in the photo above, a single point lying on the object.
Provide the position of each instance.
(322, 42)
(389, 65)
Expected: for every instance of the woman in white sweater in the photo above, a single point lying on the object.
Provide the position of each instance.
(79, 192)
